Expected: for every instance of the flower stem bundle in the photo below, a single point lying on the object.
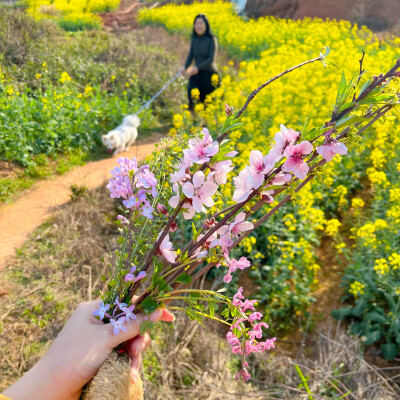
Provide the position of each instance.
(152, 270)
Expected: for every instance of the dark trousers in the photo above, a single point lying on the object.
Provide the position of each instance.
(202, 82)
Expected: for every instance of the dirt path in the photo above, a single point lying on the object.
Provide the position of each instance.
(21, 218)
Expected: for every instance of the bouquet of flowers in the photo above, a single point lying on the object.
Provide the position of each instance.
(178, 188)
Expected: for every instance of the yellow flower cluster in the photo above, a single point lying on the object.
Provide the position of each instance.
(356, 288)
(73, 11)
(2, 80)
(381, 266)
(357, 203)
(195, 93)
(332, 227)
(64, 77)
(248, 243)
(394, 260)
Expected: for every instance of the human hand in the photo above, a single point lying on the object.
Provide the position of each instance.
(194, 71)
(79, 350)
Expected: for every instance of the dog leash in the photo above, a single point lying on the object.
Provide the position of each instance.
(174, 78)
(159, 92)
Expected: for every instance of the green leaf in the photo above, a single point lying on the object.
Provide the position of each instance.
(341, 89)
(372, 337)
(184, 278)
(396, 324)
(147, 326)
(361, 305)
(341, 312)
(226, 313)
(149, 305)
(389, 351)
(194, 231)
(375, 317)
(306, 124)
(366, 84)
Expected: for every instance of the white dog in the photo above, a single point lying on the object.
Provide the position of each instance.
(123, 136)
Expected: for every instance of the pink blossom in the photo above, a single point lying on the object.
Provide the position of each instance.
(255, 316)
(294, 162)
(237, 297)
(122, 219)
(259, 166)
(232, 339)
(200, 191)
(210, 242)
(188, 209)
(233, 265)
(201, 151)
(239, 225)
(243, 185)
(281, 178)
(182, 175)
(267, 345)
(166, 249)
(228, 110)
(162, 209)
(330, 149)
(267, 196)
(174, 200)
(257, 329)
(121, 186)
(243, 374)
(219, 171)
(283, 139)
(248, 305)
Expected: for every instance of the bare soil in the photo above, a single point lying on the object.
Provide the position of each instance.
(9, 169)
(21, 218)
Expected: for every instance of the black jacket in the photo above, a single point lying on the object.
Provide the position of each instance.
(203, 50)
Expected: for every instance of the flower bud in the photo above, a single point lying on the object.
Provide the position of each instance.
(228, 110)
(162, 209)
(173, 227)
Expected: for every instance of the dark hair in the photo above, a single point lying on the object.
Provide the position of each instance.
(205, 19)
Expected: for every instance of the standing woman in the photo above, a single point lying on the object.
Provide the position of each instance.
(203, 50)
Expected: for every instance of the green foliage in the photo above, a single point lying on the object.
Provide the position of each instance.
(69, 89)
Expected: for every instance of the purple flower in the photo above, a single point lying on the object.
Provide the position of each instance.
(147, 210)
(146, 179)
(118, 325)
(101, 311)
(119, 305)
(129, 312)
(131, 202)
